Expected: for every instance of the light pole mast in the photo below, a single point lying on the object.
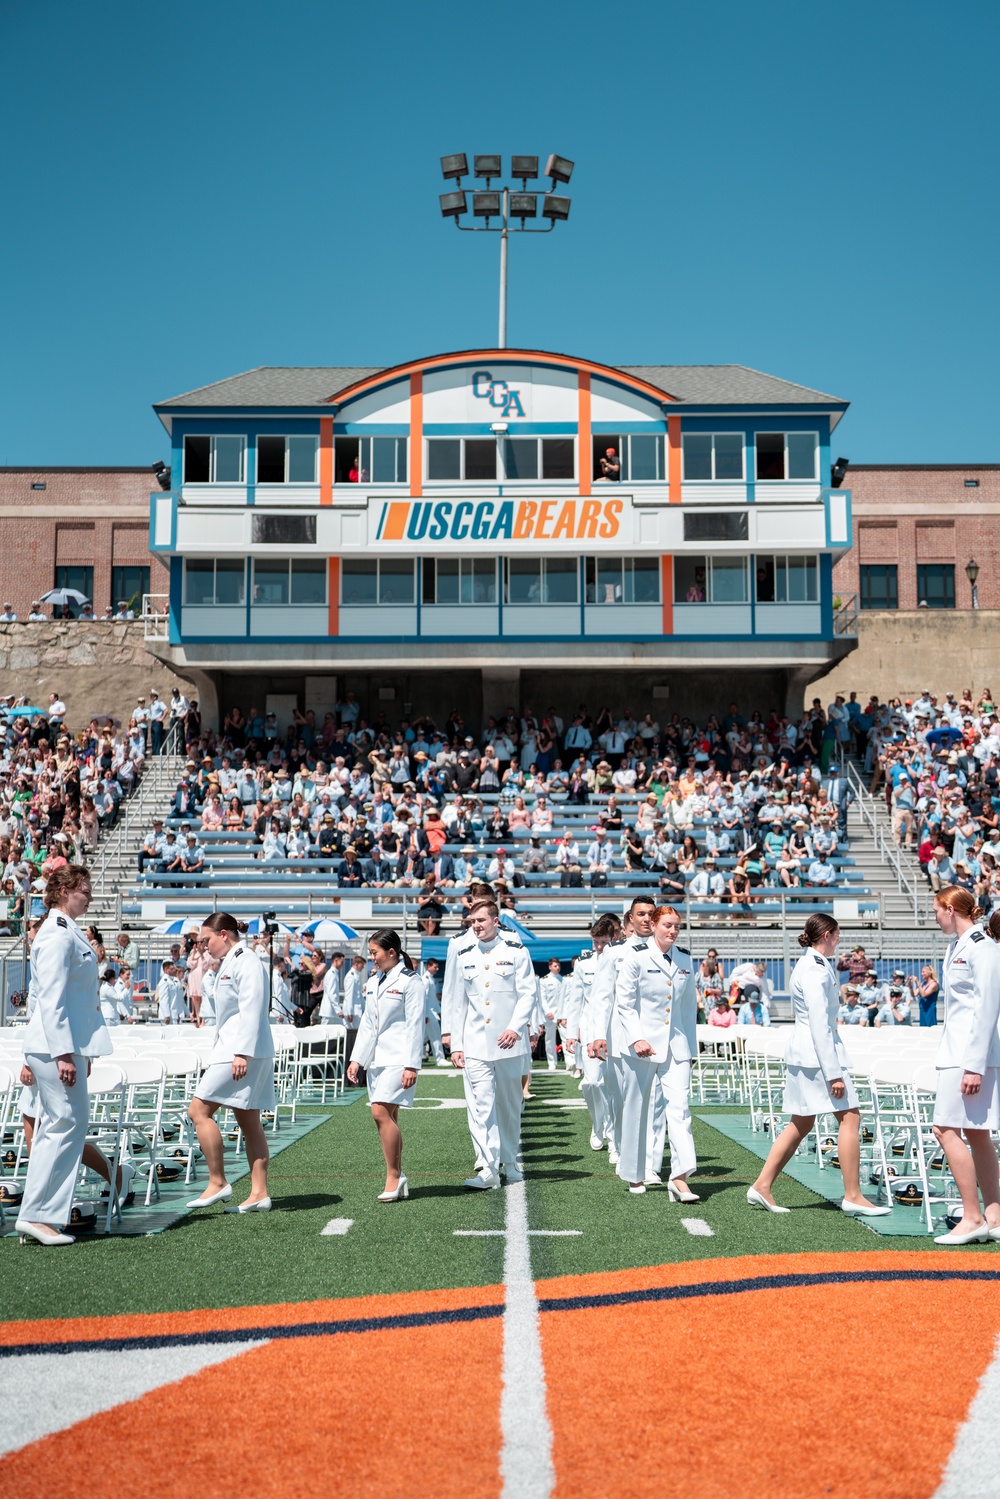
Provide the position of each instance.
(505, 209)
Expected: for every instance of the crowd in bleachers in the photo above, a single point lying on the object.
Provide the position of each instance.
(938, 766)
(60, 789)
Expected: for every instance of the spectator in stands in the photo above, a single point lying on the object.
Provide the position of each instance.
(753, 1011)
(719, 1012)
(600, 857)
(927, 993)
(431, 907)
(350, 874)
(192, 857)
(852, 1012)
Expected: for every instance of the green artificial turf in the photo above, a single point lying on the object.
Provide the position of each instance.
(213, 1260)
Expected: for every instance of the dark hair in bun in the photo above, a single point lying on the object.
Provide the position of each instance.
(816, 928)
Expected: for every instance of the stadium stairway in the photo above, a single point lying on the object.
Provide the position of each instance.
(113, 868)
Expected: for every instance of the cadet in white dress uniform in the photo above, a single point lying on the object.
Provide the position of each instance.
(65, 1031)
(390, 1047)
(112, 1007)
(432, 1014)
(818, 1079)
(594, 1085)
(171, 1006)
(489, 1041)
(240, 1071)
(968, 1092)
(550, 995)
(569, 1027)
(209, 975)
(657, 1004)
(609, 1040)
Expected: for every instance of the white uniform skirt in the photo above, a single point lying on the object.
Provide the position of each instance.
(255, 1091)
(953, 1110)
(385, 1085)
(808, 1092)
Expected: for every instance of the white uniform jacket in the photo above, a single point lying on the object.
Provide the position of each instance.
(432, 1002)
(604, 1022)
(657, 1000)
(815, 1042)
(329, 1009)
(550, 990)
(391, 1033)
(586, 972)
(496, 994)
(352, 994)
(451, 984)
(242, 1023)
(67, 1015)
(971, 1003)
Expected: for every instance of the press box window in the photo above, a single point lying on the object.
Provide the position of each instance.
(786, 455)
(710, 580)
(622, 580)
(284, 530)
(214, 460)
(936, 585)
(369, 460)
(389, 580)
(717, 525)
(208, 582)
(787, 580)
(459, 580)
(541, 580)
(456, 458)
(129, 583)
(286, 460)
(639, 457)
(879, 585)
(712, 456)
(539, 457)
(296, 581)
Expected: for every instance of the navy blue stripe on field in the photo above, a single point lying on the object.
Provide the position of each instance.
(403, 1321)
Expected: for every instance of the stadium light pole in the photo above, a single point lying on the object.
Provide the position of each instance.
(504, 204)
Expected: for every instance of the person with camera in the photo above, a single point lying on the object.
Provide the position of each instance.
(390, 1047)
(240, 1071)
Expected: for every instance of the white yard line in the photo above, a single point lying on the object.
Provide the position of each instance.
(971, 1470)
(336, 1226)
(526, 1451)
(479, 1233)
(698, 1227)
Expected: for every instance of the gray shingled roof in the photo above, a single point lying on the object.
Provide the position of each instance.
(692, 384)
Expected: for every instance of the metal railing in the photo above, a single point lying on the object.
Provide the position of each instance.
(157, 774)
(845, 619)
(156, 616)
(888, 850)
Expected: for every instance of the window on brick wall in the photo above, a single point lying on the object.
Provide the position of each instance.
(129, 583)
(936, 585)
(80, 578)
(879, 586)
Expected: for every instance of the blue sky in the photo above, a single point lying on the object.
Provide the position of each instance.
(195, 188)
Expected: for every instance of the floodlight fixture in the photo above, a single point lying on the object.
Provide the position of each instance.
(486, 205)
(162, 474)
(524, 206)
(455, 166)
(555, 207)
(838, 473)
(525, 167)
(558, 169)
(486, 166)
(453, 204)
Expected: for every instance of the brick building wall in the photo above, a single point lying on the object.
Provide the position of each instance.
(81, 517)
(910, 514)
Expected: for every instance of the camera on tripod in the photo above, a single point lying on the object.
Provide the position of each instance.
(270, 923)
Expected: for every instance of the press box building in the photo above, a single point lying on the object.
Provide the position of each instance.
(499, 526)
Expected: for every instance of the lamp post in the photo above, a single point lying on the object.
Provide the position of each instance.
(504, 204)
(972, 573)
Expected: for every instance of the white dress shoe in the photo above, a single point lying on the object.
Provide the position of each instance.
(223, 1195)
(263, 1205)
(757, 1200)
(512, 1174)
(980, 1235)
(596, 1143)
(653, 1179)
(484, 1182)
(637, 1188)
(995, 1234)
(42, 1235)
(679, 1191)
(869, 1210)
(612, 1154)
(401, 1193)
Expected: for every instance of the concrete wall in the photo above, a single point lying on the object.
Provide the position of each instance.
(901, 652)
(96, 668)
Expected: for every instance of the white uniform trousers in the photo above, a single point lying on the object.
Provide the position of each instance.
(657, 1131)
(57, 1147)
(673, 1079)
(596, 1096)
(550, 1044)
(432, 1034)
(494, 1099)
(614, 1087)
(569, 1049)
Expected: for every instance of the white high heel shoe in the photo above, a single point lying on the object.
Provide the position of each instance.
(263, 1205)
(42, 1235)
(401, 1193)
(223, 1195)
(681, 1193)
(756, 1200)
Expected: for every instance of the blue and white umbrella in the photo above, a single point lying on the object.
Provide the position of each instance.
(257, 925)
(178, 927)
(326, 929)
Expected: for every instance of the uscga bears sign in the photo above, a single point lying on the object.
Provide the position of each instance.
(551, 519)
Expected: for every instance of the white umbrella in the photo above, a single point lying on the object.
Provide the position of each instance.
(178, 927)
(326, 929)
(64, 596)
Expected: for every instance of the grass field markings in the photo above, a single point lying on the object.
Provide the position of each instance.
(336, 1226)
(564, 1103)
(479, 1233)
(698, 1227)
(526, 1434)
(970, 1472)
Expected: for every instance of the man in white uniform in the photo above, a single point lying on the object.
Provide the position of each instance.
(495, 1002)
(170, 996)
(432, 1013)
(593, 1087)
(550, 994)
(569, 1020)
(609, 1041)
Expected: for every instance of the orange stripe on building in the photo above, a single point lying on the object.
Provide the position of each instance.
(416, 433)
(667, 593)
(326, 460)
(583, 426)
(395, 521)
(674, 458)
(333, 596)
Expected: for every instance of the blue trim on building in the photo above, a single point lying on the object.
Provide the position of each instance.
(826, 593)
(371, 429)
(625, 428)
(176, 596)
(483, 639)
